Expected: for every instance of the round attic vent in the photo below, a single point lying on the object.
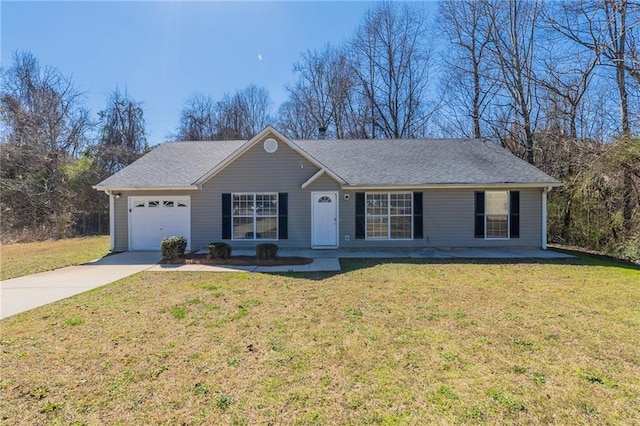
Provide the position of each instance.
(270, 145)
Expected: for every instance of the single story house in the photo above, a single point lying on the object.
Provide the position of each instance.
(328, 194)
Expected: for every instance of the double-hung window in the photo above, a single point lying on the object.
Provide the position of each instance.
(389, 215)
(497, 214)
(255, 216)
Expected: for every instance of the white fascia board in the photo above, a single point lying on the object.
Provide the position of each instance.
(145, 188)
(449, 186)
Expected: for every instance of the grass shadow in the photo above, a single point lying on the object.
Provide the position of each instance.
(581, 259)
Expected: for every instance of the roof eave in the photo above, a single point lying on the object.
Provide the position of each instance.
(146, 188)
(474, 185)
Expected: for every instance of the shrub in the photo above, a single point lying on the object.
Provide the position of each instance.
(631, 249)
(173, 247)
(219, 250)
(266, 251)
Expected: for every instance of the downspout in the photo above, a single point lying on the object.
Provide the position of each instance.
(112, 221)
(544, 218)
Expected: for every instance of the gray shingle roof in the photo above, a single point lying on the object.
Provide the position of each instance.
(422, 162)
(172, 164)
(357, 162)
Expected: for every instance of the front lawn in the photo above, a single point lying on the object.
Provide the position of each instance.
(17, 260)
(398, 342)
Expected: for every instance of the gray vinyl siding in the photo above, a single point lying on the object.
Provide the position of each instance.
(121, 223)
(448, 221)
(323, 183)
(448, 214)
(257, 171)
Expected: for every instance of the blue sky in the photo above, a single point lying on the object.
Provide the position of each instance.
(161, 52)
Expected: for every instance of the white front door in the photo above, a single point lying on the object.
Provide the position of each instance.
(153, 218)
(324, 219)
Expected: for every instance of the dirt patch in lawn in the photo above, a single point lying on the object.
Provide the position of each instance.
(204, 259)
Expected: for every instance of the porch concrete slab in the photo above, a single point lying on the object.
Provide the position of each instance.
(331, 264)
(28, 292)
(426, 253)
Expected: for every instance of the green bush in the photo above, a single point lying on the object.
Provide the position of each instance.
(631, 249)
(219, 250)
(173, 247)
(266, 251)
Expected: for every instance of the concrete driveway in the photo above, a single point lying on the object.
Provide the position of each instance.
(28, 292)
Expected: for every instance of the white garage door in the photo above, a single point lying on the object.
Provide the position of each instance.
(153, 218)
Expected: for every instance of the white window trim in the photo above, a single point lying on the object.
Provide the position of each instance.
(508, 237)
(255, 233)
(389, 216)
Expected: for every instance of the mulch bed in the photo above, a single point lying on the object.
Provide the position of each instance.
(204, 259)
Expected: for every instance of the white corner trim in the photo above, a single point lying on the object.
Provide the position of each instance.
(544, 219)
(112, 222)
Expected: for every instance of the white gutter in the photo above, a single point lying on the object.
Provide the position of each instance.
(146, 188)
(450, 186)
(544, 217)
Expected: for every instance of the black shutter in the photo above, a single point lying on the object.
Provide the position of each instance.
(417, 215)
(226, 216)
(479, 223)
(283, 208)
(514, 214)
(360, 216)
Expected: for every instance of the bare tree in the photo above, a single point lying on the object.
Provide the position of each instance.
(392, 60)
(325, 86)
(44, 125)
(197, 119)
(607, 28)
(295, 120)
(469, 84)
(122, 133)
(41, 107)
(513, 26)
(258, 106)
(243, 114)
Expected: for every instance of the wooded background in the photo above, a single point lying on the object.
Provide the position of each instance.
(557, 83)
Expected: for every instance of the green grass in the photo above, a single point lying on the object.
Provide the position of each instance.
(385, 342)
(17, 260)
